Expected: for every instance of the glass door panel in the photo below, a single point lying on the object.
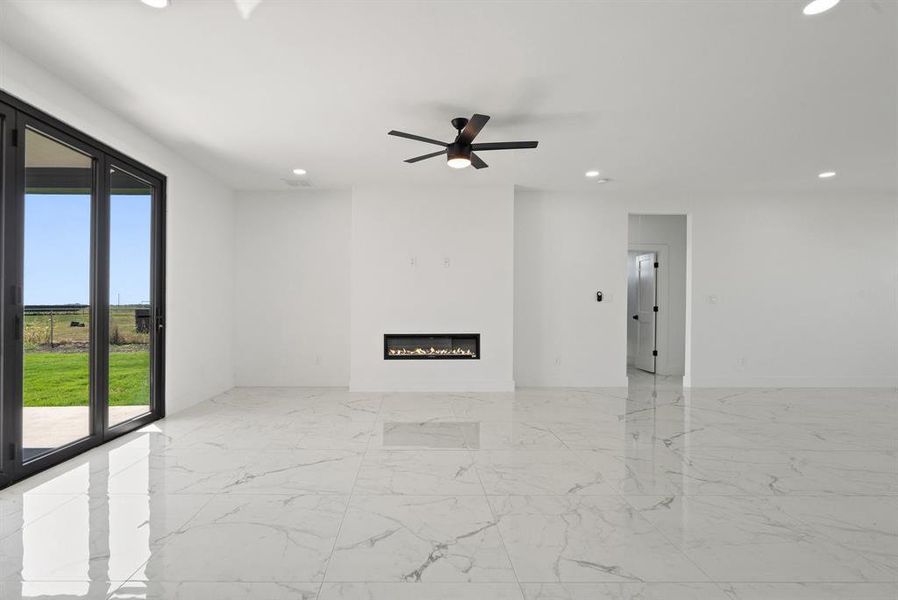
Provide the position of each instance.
(56, 336)
(130, 299)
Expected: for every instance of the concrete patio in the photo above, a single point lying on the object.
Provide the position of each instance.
(53, 426)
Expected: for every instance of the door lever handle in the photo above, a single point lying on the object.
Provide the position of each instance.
(636, 317)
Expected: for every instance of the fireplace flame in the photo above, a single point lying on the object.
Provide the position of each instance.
(431, 352)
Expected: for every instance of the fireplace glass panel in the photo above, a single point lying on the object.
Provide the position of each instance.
(430, 346)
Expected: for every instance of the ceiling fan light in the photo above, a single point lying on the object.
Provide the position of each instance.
(458, 156)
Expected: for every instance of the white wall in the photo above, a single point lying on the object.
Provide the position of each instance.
(795, 291)
(200, 236)
(292, 302)
(791, 290)
(568, 247)
(402, 239)
(666, 236)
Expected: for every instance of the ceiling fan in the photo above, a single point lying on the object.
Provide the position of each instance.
(460, 153)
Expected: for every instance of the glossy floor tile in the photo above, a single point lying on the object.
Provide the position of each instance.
(628, 591)
(650, 492)
(419, 539)
(238, 538)
(586, 538)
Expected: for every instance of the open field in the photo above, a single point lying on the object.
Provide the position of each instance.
(61, 379)
(58, 331)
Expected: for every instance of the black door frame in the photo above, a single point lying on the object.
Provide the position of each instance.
(17, 116)
(8, 298)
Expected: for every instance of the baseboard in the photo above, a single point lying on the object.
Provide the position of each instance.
(302, 383)
(796, 381)
(424, 386)
(621, 382)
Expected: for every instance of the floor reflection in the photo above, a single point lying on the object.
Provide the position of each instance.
(68, 529)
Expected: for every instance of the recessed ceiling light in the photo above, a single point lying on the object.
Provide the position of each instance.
(815, 7)
(827, 174)
(299, 171)
(603, 180)
(157, 3)
(592, 173)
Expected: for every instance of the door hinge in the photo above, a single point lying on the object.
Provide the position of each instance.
(12, 451)
(17, 328)
(654, 353)
(14, 137)
(655, 308)
(657, 265)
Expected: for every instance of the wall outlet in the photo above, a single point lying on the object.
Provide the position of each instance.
(446, 262)
(413, 261)
(557, 361)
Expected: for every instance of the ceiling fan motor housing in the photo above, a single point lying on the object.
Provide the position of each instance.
(456, 150)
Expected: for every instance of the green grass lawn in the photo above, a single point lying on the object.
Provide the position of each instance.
(61, 379)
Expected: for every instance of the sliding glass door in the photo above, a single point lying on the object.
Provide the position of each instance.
(130, 296)
(83, 288)
(56, 342)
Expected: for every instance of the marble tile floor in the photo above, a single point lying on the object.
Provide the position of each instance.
(541, 494)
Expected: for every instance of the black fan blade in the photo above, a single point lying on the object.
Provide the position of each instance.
(426, 156)
(477, 162)
(418, 138)
(475, 124)
(503, 146)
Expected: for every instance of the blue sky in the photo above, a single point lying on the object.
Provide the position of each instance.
(57, 249)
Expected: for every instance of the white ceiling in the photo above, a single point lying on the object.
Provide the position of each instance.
(660, 96)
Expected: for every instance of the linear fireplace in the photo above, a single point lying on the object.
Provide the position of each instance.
(431, 346)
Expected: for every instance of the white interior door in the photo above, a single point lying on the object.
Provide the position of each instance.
(645, 312)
